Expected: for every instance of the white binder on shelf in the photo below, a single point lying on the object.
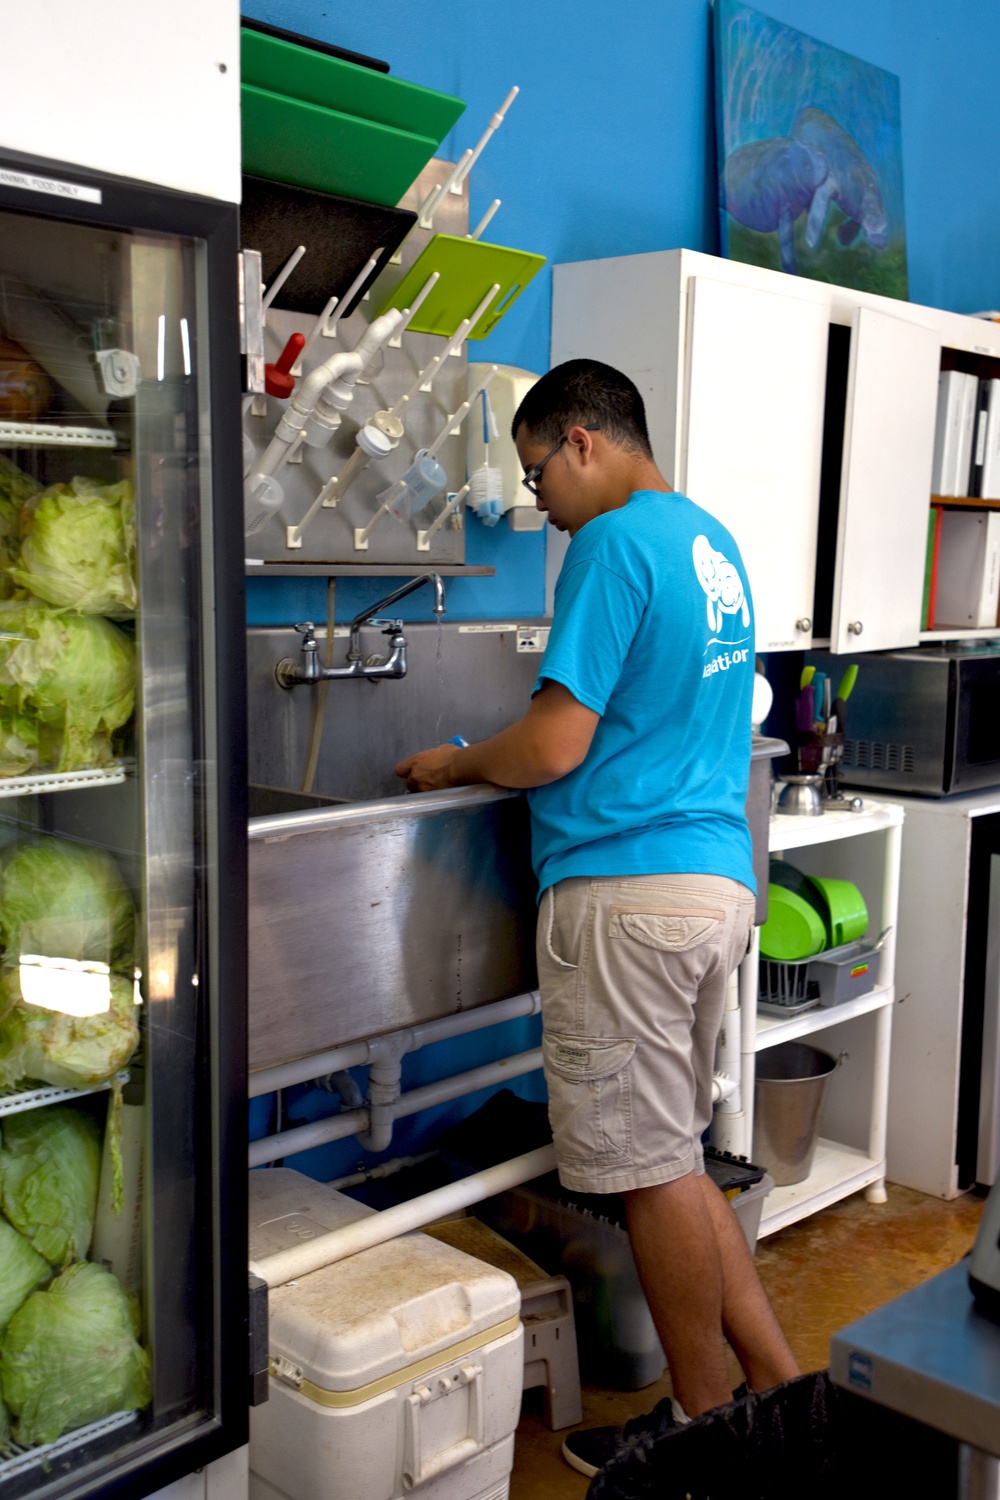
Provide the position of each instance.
(991, 458)
(968, 587)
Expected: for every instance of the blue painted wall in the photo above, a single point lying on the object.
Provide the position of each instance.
(610, 150)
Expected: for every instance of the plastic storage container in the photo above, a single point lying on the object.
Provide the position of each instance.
(618, 1343)
(397, 1369)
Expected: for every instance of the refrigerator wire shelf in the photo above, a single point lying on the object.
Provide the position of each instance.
(48, 435)
(14, 1101)
(22, 1459)
(61, 781)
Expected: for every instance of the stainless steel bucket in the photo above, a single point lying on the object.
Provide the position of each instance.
(790, 1088)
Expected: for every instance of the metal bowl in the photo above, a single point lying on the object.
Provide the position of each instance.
(801, 796)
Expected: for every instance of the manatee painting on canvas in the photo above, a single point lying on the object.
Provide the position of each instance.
(810, 155)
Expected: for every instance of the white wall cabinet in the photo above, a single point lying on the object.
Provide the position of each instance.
(754, 415)
(851, 1151)
(753, 424)
(885, 483)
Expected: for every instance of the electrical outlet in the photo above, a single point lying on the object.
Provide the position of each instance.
(532, 638)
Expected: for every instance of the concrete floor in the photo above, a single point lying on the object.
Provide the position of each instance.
(820, 1274)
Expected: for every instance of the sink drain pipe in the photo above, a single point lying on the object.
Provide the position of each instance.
(354, 1121)
(373, 1124)
(359, 1054)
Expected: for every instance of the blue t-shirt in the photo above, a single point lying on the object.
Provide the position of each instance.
(653, 630)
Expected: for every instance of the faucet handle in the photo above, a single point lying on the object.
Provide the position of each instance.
(307, 629)
(387, 627)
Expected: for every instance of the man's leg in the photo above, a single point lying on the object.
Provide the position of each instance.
(699, 1278)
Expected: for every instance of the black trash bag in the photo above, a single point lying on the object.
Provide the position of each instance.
(804, 1440)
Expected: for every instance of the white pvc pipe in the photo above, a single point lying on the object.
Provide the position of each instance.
(354, 1121)
(446, 1089)
(357, 1054)
(382, 1170)
(340, 366)
(312, 387)
(327, 1249)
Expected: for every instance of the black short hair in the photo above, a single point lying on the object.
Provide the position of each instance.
(581, 392)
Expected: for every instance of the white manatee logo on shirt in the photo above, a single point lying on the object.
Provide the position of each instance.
(721, 582)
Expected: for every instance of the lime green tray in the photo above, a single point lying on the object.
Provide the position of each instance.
(467, 269)
(289, 140)
(283, 68)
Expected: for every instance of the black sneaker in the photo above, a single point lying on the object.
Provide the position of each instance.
(590, 1448)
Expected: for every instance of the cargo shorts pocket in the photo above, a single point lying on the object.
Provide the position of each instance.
(547, 928)
(669, 931)
(590, 1096)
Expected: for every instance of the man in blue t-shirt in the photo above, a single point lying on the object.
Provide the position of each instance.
(636, 756)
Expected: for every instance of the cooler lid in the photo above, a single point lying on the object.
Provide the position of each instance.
(377, 1317)
(287, 1207)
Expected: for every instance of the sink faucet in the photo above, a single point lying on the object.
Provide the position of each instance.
(290, 673)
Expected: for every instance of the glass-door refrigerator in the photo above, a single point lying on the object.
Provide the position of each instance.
(123, 1262)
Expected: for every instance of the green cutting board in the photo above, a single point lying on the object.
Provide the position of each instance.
(283, 68)
(467, 269)
(289, 140)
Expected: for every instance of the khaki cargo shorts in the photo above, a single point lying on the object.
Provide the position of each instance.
(633, 972)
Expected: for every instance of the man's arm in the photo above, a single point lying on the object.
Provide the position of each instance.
(550, 741)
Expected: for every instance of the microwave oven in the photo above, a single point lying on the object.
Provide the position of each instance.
(924, 721)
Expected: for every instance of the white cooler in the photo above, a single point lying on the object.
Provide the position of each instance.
(397, 1371)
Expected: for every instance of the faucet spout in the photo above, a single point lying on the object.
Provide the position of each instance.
(411, 585)
(291, 673)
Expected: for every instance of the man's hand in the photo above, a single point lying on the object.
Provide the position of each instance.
(550, 741)
(428, 770)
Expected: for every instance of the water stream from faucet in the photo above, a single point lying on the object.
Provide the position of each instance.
(439, 667)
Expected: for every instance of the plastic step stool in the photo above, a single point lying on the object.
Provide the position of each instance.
(550, 1353)
(550, 1358)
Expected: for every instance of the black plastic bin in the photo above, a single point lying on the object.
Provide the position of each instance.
(804, 1440)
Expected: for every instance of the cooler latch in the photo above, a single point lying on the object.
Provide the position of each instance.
(288, 1373)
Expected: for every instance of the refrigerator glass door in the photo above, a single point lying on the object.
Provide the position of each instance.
(115, 1328)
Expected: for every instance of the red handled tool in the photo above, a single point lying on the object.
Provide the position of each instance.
(277, 381)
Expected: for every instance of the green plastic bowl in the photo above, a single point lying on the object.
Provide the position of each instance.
(782, 873)
(793, 930)
(846, 912)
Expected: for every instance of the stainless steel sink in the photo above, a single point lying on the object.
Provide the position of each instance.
(375, 913)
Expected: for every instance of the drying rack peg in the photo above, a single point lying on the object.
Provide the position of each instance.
(282, 277)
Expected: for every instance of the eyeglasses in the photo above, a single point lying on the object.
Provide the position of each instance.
(530, 480)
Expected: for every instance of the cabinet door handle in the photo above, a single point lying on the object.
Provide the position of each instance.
(855, 627)
(804, 624)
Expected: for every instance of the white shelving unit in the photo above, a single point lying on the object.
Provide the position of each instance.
(850, 1155)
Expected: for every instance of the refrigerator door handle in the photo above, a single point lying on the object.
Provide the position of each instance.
(251, 294)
